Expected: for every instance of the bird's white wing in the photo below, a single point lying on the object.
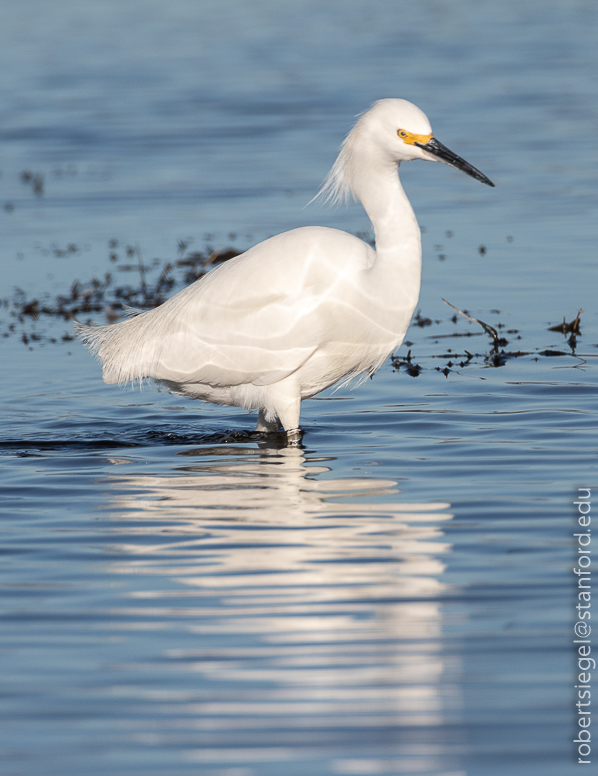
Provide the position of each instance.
(255, 319)
(236, 345)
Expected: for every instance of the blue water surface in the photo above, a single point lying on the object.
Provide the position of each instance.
(396, 597)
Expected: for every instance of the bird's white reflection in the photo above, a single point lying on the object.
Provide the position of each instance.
(315, 602)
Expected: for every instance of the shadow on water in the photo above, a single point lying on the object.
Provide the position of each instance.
(141, 437)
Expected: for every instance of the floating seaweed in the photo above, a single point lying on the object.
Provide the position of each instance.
(497, 341)
(413, 370)
(569, 328)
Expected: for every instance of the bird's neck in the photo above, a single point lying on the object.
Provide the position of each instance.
(390, 212)
(397, 233)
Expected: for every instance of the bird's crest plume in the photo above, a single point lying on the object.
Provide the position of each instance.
(338, 185)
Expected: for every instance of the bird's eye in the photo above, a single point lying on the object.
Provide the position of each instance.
(401, 133)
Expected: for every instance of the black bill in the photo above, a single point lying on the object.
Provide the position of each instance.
(442, 153)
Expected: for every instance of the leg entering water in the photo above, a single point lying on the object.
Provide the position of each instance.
(294, 437)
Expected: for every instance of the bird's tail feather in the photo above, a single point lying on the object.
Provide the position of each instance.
(126, 354)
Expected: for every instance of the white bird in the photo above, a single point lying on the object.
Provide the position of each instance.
(301, 310)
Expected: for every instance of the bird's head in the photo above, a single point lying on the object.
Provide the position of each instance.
(390, 132)
(403, 132)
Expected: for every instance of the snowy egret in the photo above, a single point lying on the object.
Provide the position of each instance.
(301, 310)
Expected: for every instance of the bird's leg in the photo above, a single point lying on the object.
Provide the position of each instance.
(294, 436)
(290, 422)
(286, 400)
(265, 422)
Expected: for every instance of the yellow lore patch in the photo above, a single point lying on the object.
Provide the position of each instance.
(411, 139)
